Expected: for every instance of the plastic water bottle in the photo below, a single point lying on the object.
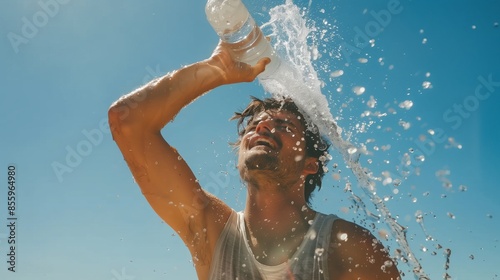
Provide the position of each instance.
(234, 25)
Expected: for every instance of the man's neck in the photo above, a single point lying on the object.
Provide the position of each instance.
(276, 218)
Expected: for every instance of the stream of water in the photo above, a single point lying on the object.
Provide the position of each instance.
(298, 79)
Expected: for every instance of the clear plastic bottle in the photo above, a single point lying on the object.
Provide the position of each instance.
(234, 25)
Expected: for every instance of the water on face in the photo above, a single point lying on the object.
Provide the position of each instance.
(297, 78)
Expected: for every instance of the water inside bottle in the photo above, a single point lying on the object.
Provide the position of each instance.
(241, 34)
(249, 45)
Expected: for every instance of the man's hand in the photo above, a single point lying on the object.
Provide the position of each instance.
(234, 71)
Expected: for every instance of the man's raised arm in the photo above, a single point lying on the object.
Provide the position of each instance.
(156, 103)
(165, 179)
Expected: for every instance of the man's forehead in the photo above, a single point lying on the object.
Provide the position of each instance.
(283, 115)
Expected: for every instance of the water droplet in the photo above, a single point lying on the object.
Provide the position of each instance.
(358, 90)
(405, 125)
(419, 217)
(473, 27)
(312, 235)
(414, 200)
(453, 143)
(342, 236)
(352, 150)
(337, 73)
(319, 251)
(426, 85)
(372, 102)
(387, 181)
(383, 234)
(407, 104)
(424, 41)
(362, 60)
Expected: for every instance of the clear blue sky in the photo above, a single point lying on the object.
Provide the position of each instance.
(63, 65)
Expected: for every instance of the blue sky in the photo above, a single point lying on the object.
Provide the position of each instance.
(64, 65)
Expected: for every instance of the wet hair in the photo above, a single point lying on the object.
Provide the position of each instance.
(316, 145)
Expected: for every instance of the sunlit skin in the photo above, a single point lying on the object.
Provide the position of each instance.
(271, 160)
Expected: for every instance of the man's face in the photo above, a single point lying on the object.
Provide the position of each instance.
(273, 143)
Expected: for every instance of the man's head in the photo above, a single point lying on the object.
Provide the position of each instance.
(286, 116)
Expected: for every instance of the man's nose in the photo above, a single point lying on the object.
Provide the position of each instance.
(264, 126)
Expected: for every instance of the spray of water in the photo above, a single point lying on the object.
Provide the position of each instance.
(298, 80)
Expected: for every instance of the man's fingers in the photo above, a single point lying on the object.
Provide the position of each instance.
(261, 64)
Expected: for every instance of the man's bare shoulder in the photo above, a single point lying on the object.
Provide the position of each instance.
(355, 253)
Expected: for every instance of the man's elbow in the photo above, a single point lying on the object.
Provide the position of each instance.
(119, 119)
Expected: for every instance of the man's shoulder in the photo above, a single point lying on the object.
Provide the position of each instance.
(347, 229)
(355, 251)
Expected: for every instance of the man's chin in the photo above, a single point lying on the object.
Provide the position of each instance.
(260, 160)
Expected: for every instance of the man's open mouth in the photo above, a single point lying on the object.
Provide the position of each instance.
(263, 142)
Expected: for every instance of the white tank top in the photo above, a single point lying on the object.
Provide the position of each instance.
(233, 259)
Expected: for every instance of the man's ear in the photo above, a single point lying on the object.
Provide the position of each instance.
(311, 166)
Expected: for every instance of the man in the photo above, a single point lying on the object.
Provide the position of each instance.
(277, 236)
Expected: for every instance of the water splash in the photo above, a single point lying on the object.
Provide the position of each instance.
(298, 80)
(447, 254)
(419, 217)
